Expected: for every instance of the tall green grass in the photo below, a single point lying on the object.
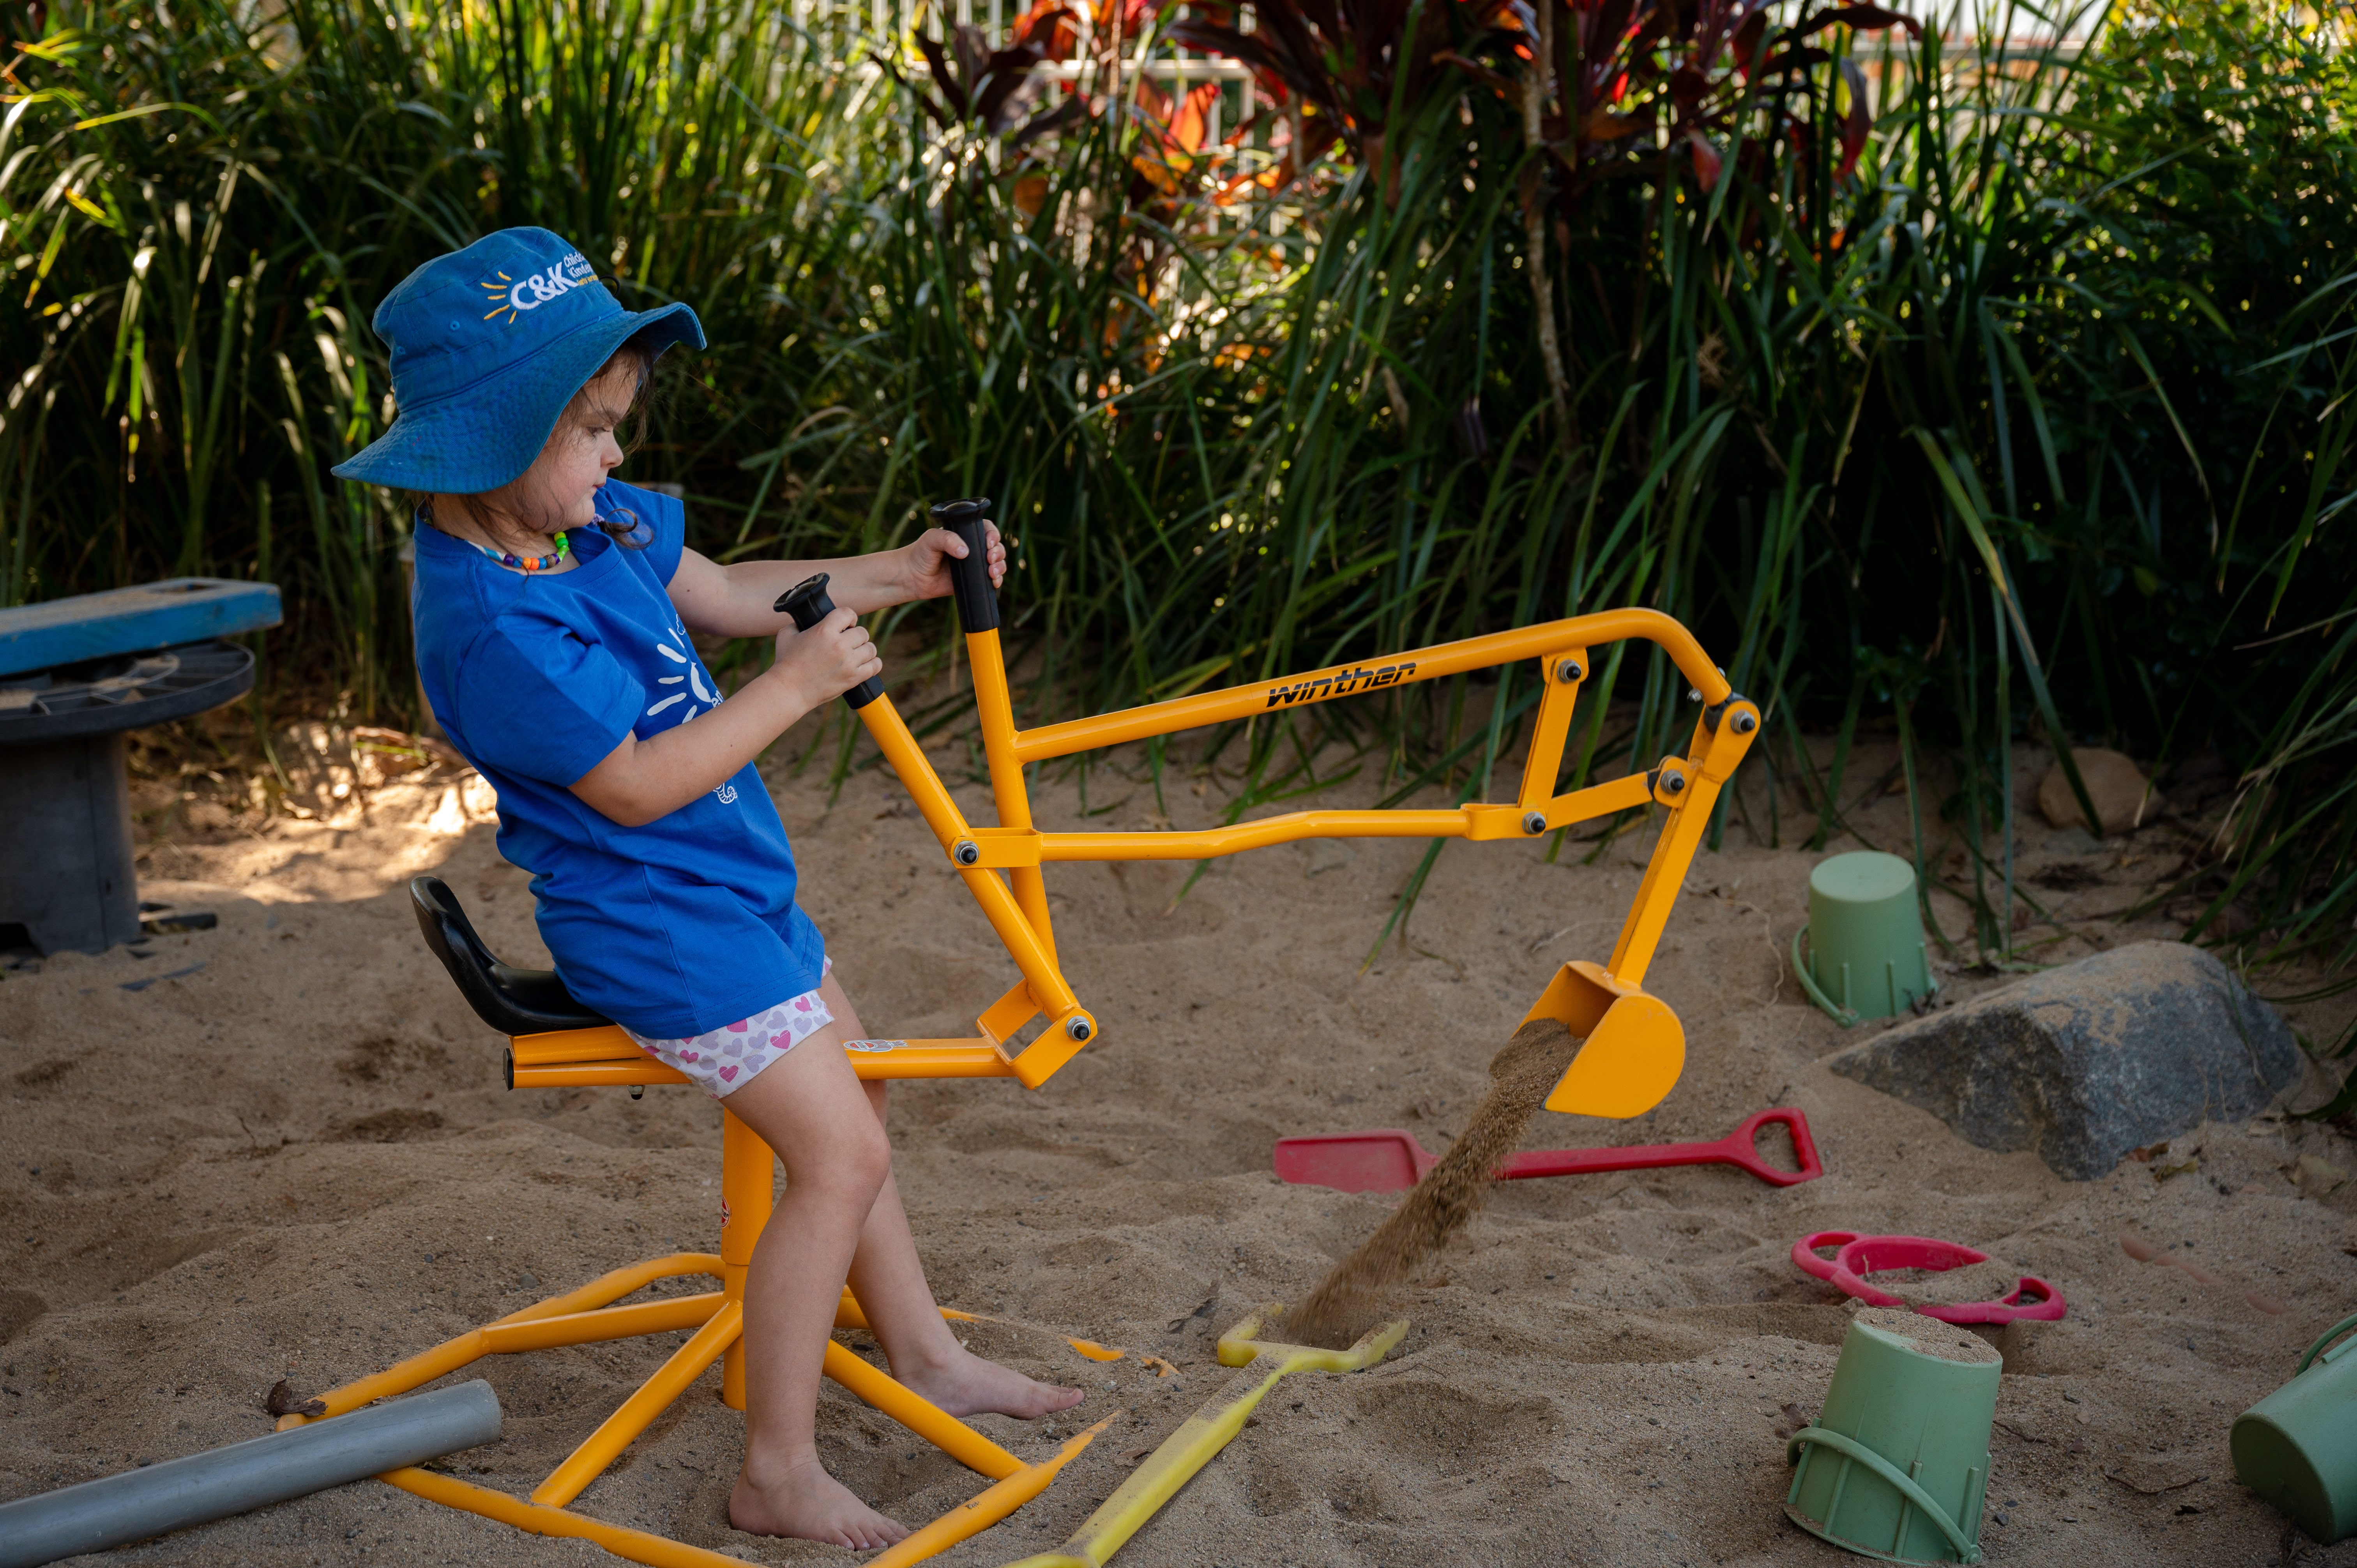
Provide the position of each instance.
(203, 203)
(1997, 393)
(1969, 408)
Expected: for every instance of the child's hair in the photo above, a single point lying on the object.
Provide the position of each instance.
(506, 508)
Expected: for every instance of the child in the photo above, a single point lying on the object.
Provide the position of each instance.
(554, 606)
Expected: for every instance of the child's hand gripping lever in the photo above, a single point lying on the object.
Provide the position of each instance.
(807, 602)
(977, 601)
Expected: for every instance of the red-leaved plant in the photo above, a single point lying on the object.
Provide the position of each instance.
(1605, 89)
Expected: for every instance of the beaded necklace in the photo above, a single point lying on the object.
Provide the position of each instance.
(529, 562)
(521, 563)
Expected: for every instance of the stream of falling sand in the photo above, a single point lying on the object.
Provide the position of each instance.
(1346, 1302)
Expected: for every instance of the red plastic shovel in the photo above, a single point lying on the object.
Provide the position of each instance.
(1390, 1160)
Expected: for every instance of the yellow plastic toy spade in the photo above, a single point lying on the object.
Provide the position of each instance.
(1202, 1435)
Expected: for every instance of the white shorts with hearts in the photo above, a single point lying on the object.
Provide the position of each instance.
(721, 1062)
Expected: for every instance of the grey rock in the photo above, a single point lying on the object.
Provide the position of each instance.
(2123, 797)
(2086, 1062)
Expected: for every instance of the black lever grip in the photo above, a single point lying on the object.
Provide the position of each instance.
(977, 601)
(807, 602)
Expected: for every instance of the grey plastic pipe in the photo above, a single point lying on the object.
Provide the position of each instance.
(222, 1481)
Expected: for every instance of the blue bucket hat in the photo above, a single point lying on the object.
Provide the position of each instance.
(488, 345)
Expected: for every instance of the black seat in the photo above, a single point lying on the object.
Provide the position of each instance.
(513, 1000)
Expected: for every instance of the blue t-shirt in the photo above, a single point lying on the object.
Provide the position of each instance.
(685, 924)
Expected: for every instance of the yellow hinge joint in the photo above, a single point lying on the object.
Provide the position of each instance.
(995, 849)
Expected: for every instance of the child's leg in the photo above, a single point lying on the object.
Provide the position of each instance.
(808, 1107)
(889, 1281)
(840, 1216)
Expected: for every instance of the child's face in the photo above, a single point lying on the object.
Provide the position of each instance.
(562, 483)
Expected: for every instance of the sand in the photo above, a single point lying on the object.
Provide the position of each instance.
(1930, 1335)
(281, 1149)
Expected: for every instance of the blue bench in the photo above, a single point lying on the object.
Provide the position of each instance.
(132, 620)
(75, 674)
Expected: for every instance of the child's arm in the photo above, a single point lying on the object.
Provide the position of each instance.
(735, 601)
(642, 779)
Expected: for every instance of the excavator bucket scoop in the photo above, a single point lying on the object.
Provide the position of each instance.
(1632, 1046)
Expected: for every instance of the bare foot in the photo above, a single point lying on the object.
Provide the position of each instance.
(972, 1386)
(803, 1501)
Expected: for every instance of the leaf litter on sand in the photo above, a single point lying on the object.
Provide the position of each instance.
(1451, 1192)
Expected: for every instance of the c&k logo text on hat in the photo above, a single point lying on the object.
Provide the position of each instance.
(513, 296)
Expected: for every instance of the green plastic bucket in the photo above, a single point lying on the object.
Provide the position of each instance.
(1866, 957)
(2297, 1447)
(1896, 1465)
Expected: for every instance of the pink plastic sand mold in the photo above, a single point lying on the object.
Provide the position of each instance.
(1857, 1256)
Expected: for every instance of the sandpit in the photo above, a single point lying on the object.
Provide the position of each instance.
(280, 1148)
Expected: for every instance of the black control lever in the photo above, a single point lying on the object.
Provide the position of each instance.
(977, 601)
(807, 602)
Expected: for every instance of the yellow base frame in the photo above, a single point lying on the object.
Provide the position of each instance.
(1202, 1435)
(587, 1316)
